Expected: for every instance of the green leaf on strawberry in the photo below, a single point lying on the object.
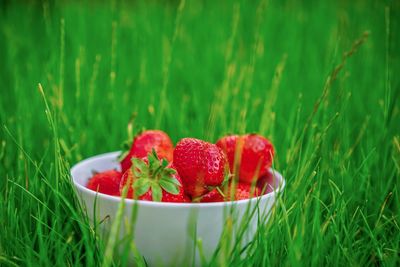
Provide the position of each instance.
(141, 186)
(124, 153)
(169, 185)
(156, 192)
(155, 176)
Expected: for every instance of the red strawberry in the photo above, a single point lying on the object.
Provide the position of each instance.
(242, 191)
(106, 182)
(167, 197)
(143, 145)
(254, 155)
(266, 183)
(200, 164)
(186, 199)
(150, 175)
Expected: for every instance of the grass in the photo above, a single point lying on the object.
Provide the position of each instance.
(319, 79)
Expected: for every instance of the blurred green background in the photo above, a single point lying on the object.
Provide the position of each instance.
(319, 78)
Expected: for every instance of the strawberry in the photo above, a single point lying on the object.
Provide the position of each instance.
(200, 165)
(242, 191)
(143, 145)
(253, 154)
(266, 183)
(153, 179)
(106, 182)
(187, 199)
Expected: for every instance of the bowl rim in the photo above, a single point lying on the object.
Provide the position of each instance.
(118, 199)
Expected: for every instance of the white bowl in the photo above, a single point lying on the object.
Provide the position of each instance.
(165, 232)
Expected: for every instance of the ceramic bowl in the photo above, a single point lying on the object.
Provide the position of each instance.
(166, 233)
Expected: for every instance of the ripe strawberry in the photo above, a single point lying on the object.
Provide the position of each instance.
(253, 154)
(143, 145)
(266, 183)
(242, 191)
(153, 179)
(200, 164)
(187, 199)
(106, 182)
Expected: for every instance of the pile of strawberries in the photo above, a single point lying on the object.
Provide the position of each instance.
(234, 168)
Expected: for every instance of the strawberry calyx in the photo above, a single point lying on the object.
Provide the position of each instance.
(126, 145)
(154, 175)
